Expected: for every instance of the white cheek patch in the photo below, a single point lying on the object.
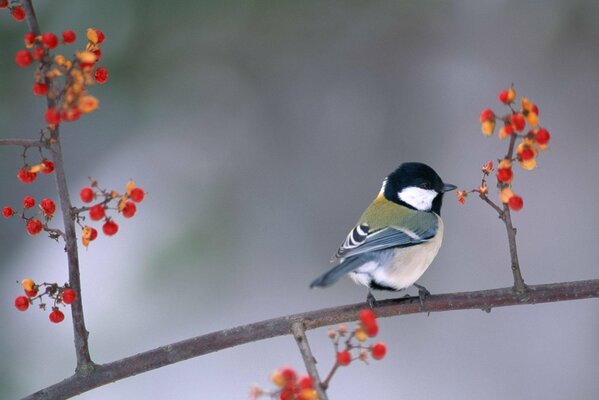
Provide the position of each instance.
(420, 199)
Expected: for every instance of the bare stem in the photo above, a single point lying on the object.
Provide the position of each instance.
(299, 333)
(215, 341)
(84, 362)
(23, 142)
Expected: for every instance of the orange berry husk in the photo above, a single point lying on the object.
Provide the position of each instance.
(361, 335)
(505, 195)
(505, 163)
(278, 379)
(529, 164)
(307, 394)
(487, 127)
(28, 285)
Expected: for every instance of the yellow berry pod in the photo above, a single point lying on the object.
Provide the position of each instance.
(92, 35)
(86, 57)
(532, 119)
(505, 163)
(529, 164)
(307, 394)
(505, 195)
(278, 379)
(487, 127)
(28, 284)
(361, 335)
(511, 94)
(129, 187)
(87, 104)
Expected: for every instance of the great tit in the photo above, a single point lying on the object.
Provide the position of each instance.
(397, 237)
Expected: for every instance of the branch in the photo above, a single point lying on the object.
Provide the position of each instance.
(211, 342)
(23, 142)
(299, 333)
(84, 363)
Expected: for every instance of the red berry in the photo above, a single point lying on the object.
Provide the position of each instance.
(110, 228)
(367, 316)
(69, 36)
(28, 202)
(305, 382)
(40, 88)
(49, 40)
(34, 226)
(68, 296)
(38, 53)
(3, 3)
(137, 195)
(22, 303)
(29, 39)
(288, 374)
(87, 195)
(56, 316)
(129, 209)
(25, 175)
(71, 114)
(343, 358)
(97, 212)
(53, 116)
(486, 115)
(526, 154)
(542, 137)
(516, 203)
(8, 212)
(509, 129)
(378, 351)
(504, 175)
(504, 96)
(100, 34)
(18, 14)
(372, 330)
(23, 58)
(31, 293)
(48, 207)
(98, 54)
(518, 122)
(101, 75)
(93, 234)
(48, 167)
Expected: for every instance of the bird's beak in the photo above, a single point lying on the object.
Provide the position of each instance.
(448, 187)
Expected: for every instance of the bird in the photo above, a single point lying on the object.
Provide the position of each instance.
(397, 237)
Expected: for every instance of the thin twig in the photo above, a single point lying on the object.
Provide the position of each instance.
(211, 342)
(299, 333)
(23, 142)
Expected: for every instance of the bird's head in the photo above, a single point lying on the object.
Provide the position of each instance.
(417, 186)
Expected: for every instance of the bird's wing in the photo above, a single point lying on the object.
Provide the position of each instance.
(415, 229)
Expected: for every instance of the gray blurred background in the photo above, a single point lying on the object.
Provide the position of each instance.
(261, 130)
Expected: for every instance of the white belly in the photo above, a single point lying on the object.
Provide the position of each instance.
(402, 267)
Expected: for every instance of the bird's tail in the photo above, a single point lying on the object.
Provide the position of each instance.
(348, 265)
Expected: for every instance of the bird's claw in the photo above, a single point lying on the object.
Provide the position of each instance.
(370, 300)
(423, 293)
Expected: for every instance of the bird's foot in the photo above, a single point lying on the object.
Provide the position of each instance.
(423, 293)
(370, 300)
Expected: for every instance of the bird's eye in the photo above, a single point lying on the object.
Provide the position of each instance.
(425, 185)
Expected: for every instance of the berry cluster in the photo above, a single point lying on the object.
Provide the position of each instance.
(106, 200)
(28, 173)
(367, 328)
(290, 387)
(513, 126)
(34, 224)
(59, 294)
(64, 81)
